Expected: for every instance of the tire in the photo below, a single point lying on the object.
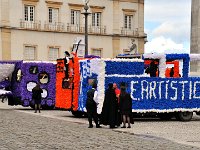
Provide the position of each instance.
(45, 107)
(166, 116)
(184, 116)
(77, 114)
(198, 113)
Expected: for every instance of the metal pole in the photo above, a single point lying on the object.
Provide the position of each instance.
(86, 13)
(86, 32)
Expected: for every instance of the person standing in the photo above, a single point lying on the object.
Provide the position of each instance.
(109, 110)
(91, 106)
(117, 91)
(125, 104)
(36, 96)
(153, 69)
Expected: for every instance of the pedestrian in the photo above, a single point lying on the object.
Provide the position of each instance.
(117, 90)
(125, 105)
(153, 69)
(36, 96)
(66, 63)
(109, 110)
(91, 106)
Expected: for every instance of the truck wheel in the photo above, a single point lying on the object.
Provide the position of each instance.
(166, 116)
(198, 113)
(77, 114)
(184, 116)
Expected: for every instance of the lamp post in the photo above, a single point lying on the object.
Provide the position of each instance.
(86, 13)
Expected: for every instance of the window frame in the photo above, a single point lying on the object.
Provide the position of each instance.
(25, 55)
(29, 16)
(51, 15)
(96, 19)
(58, 54)
(97, 49)
(75, 17)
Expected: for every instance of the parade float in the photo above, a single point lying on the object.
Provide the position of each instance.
(163, 95)
(166, 96)
(24, 75)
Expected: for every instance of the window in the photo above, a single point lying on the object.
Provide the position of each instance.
(53, 15)
(97, 52)
(75, 17)
(29, 53)
(29, 13)
(53, 53)
(128, 21)
(96, 19)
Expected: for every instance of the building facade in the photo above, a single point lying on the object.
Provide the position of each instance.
(44, 29)
(195, 33)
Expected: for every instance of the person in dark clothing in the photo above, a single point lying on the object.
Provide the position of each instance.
(66, 63)
(110, 108)
(153, 69)
(125, 104)
(36, 96)
(172, 72)
(91, 106)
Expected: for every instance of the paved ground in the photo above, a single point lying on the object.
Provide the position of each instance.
(23, 129)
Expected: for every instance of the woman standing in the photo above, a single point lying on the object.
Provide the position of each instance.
(125, 104)
(36, 96)
(109, 110)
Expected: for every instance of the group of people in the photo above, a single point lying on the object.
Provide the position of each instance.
(117, 107)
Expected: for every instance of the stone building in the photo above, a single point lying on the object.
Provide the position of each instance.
(195, 33)
(44, 29)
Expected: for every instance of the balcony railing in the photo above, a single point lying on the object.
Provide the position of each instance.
(75, 28)
(91, 29)
(129, 32)
(97, 29)
(33, 25)
(57, 26)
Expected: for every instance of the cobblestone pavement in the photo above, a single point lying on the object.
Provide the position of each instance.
(22, 129)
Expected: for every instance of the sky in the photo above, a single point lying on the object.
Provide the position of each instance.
(167, 24)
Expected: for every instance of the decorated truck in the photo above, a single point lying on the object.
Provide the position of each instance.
(23, 76)
(163, 95)
(166, 96)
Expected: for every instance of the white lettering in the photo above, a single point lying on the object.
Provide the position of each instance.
(183, 88)
(190, 92)
(195, 89)
(166, 89)
(133, 90)
(175, 89)
(160, 89)
(144, 89)
(152, 89)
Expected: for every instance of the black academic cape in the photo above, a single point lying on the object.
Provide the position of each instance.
(110, 109)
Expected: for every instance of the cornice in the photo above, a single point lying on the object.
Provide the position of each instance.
(53, 2)
(129, 10)
(75, 5)
(30, 0)
(97, 7)
(131, 1)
